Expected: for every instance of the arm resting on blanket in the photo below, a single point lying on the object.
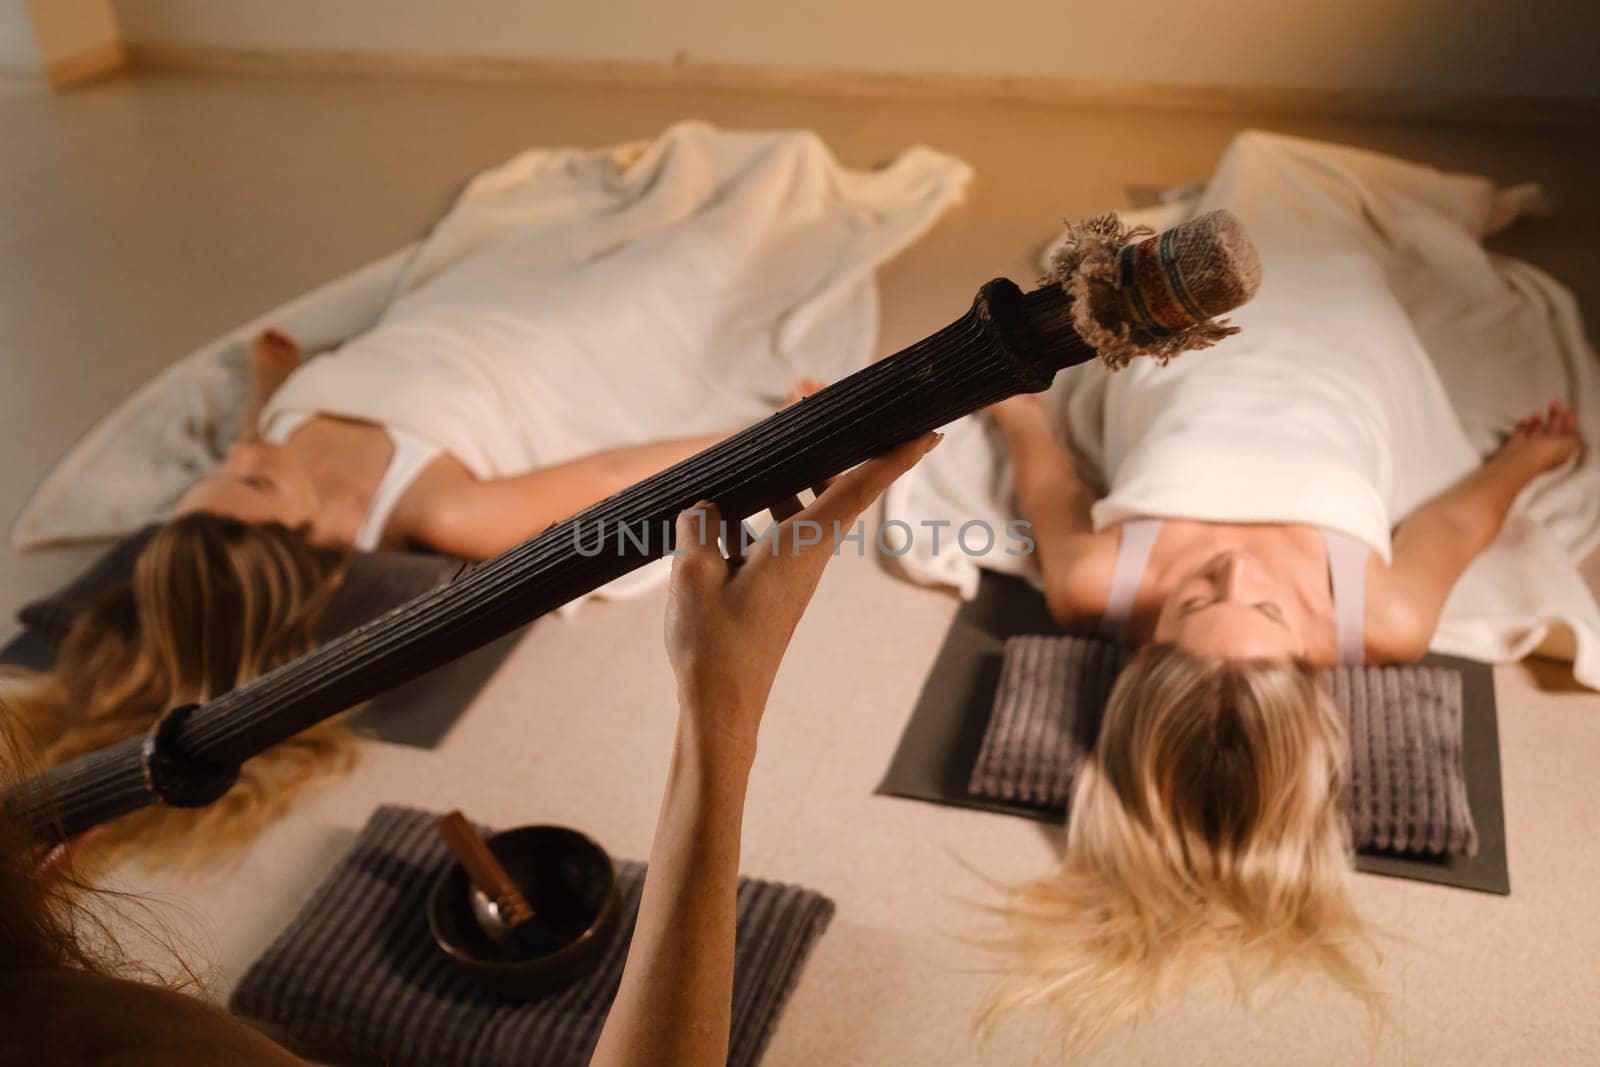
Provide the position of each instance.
(449, 511)
(1437, 542)
(1073, 559)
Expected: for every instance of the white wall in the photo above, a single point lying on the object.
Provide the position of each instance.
(1540, 48)
(18, 53)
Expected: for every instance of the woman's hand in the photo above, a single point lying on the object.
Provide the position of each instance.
(1438, 541)
(729, 621)
(1543, 440)
(728, 624)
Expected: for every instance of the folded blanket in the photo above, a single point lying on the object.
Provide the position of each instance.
(1385, 353)
(356, 974)
(1407, 792)
(572, 300)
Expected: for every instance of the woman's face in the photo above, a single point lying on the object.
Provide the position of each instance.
(1232, 607)
(257, 482)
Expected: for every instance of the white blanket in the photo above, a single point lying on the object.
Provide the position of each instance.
(1384, 355)
(570, 301)
(567, 305)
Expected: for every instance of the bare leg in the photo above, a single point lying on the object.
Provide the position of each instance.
(274, 355)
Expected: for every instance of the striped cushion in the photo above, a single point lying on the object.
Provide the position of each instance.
(357, 975)
(1407, 791)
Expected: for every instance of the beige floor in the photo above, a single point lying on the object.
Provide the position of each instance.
(142, 217)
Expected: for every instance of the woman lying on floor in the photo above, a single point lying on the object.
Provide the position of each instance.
(727, 629)
(234, 585)
(353, 483)
(1242, 543)
(1262, 591)
(1208, 828)
(578, 320)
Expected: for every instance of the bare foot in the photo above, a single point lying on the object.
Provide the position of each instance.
(1544, 439)
(274, 355)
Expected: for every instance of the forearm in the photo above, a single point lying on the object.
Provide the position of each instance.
(615, 469)
(482, 519)
(675, 1001)
(1461, 522)
(1431, 550)
(1049, 491)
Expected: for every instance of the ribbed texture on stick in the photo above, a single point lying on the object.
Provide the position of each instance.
(1407, 793)
(90, 790)
(1008, 343)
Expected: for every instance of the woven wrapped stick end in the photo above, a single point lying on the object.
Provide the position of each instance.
(1139, 293)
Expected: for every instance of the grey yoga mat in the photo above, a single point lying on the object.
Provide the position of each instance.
(939, 747)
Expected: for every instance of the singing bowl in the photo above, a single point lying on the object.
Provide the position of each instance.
(568, 879)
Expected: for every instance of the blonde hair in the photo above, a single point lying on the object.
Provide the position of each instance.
(213, 604)
(1206, 831)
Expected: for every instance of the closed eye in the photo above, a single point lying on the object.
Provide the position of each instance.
(1266, 607)
(1270, 610)
(258, 483)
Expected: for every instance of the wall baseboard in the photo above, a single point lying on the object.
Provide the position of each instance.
(86, 66)
(1105, 95)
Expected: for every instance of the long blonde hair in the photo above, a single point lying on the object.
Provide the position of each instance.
(1206, 832)
(213, 604)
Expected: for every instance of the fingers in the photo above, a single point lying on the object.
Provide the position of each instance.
(275, 349)
(785, 509)
(696, 554)
(804, 543)
(854, 491)
(841, 502)
(272, 337)
(844, 497)
(1562, 420)
(1557, 419)
(702, 544)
